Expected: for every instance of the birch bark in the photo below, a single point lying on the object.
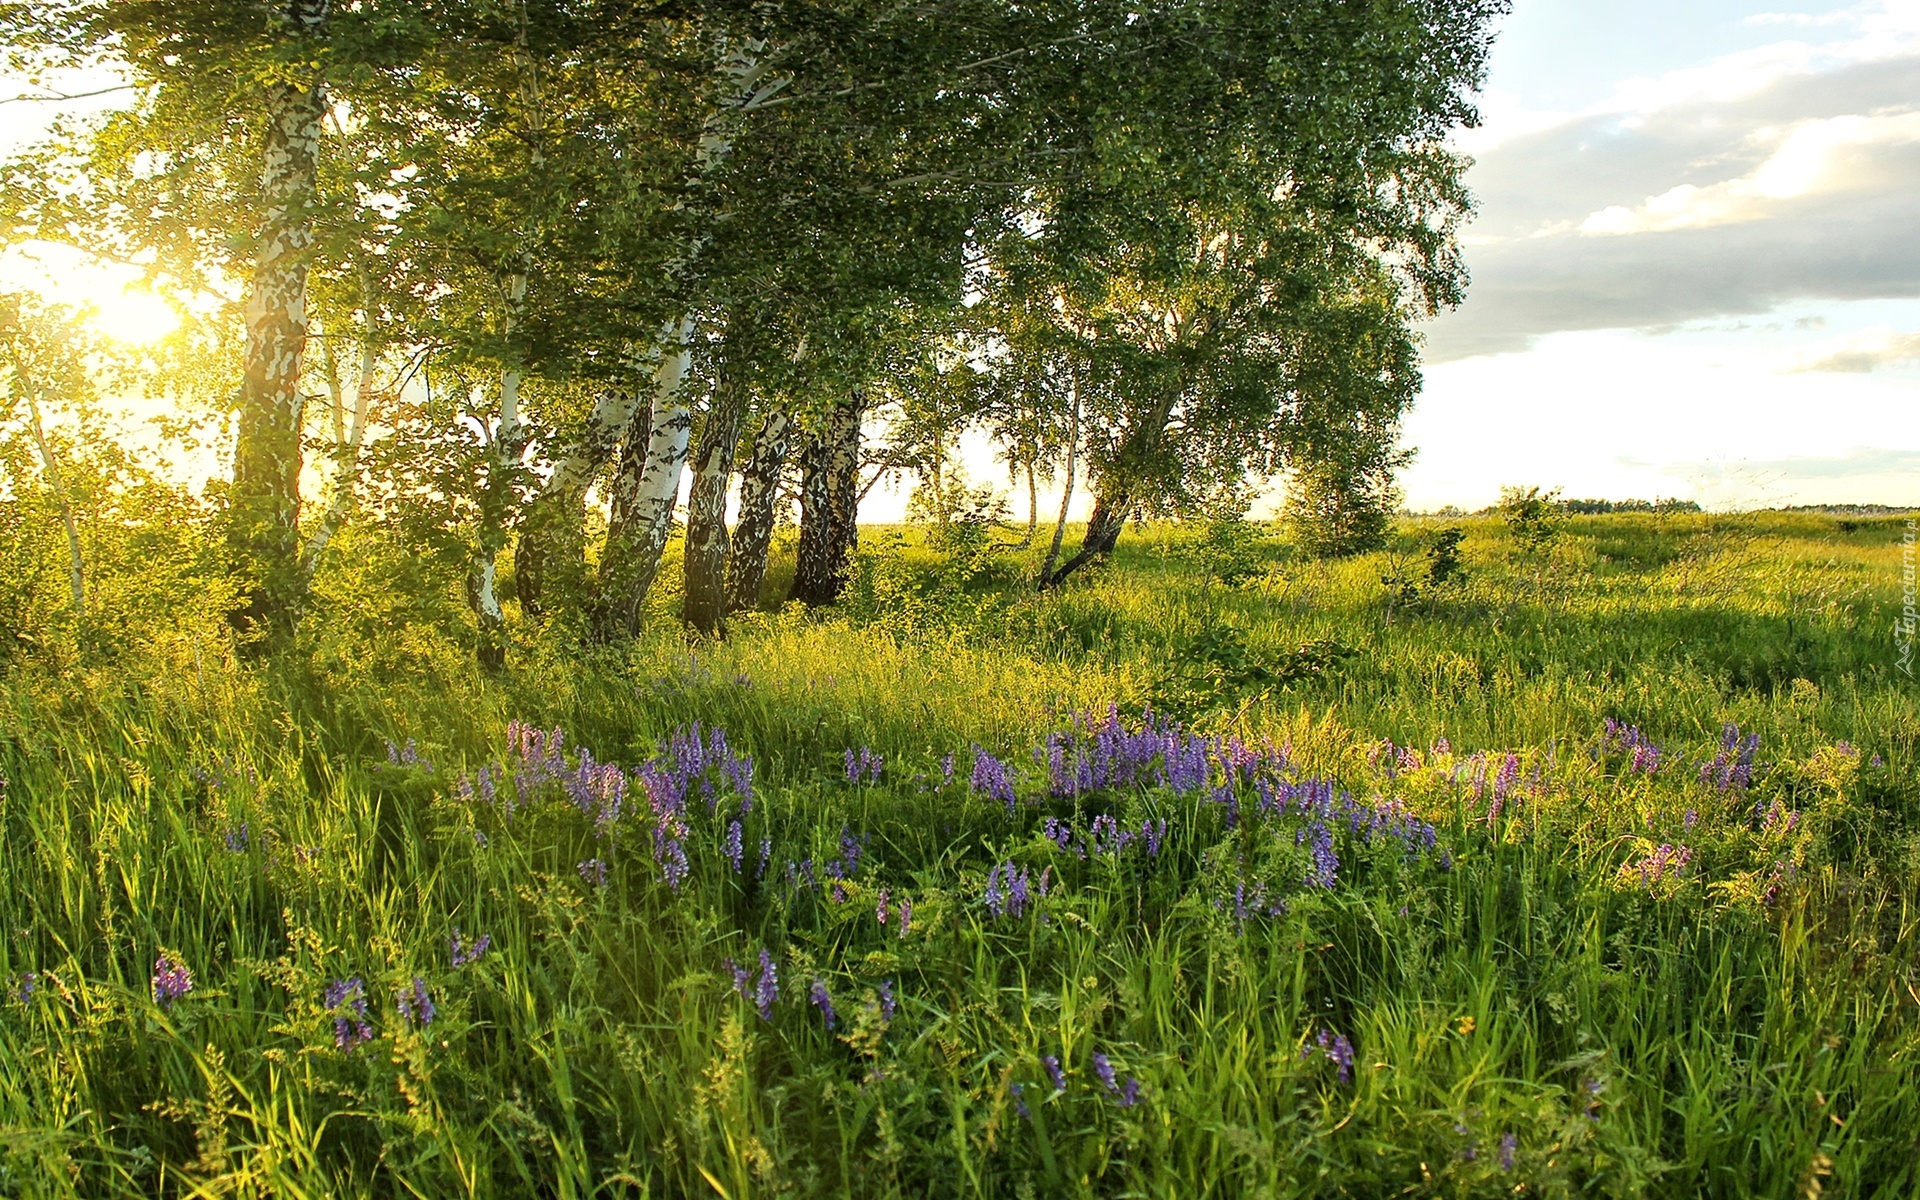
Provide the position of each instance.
(753, 529)
(643, 494)
(705, 560)
(828, 499)
(263, 537)
(645, 487)
(549, 559)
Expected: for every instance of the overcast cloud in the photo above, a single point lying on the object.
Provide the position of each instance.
(1788, 172)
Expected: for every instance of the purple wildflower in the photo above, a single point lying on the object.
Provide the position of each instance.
(990, 779)
(880, 907)
(1009, 890)
(465, 953)
(887, 1001)
(171, 979)
(732, 849)
(906, 914)
(1666, 862)
(1337, 1049)
(1323, 865)
(1019, 1101)
(1103, 1070)
(1732, 768)
(346, 999)
(1052, 1063)
(415, 1003)
(1508, 1144)
(767, 989)
(594, 871)
(236, 839)
(823, 1002)
(864, 765)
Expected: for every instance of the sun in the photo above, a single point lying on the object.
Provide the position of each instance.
(118, 305)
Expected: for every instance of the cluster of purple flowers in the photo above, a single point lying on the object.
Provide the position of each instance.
(1777, 816)
(1105, 835)
(883, 909)
(415, 1004)
(171, 979)
(865, 765)
(1090, 757)
(407, 756)
(733, 847)
(594, 871)
(1778, 878)
(346, 999)
(1732, 768)
(847, 865)
(693, 761)
(1503, 782)
(465, 953)
(762, 992)
(598, 790)
(236, 839)
(1336, 1049)
(1323, 864)
(1643, 757)
(1666, 862)
(1011, 890)
(991, 779)
(1125, 1097)
(1249, 902)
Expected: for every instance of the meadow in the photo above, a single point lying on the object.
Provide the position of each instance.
(1591, 867)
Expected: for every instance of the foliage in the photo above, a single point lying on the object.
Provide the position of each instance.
(1533, 517)
(1337, 508)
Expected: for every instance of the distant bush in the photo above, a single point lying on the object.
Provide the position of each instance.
(1230, 551)
(1533, 517)
(1335, 511)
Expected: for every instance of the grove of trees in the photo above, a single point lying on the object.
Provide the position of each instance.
(508, 272)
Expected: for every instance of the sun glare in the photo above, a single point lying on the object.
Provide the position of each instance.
(120, 307)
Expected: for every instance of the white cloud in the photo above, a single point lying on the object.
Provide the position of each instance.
(1817, 157)
(1873, 349)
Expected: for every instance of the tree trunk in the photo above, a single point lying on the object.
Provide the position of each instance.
(1104, 524)
(828, 502)
(549, 560)
(1045, 578)
(76, 562)
(263, 518)
(644, 490)
(753, 531)
(348, 434)
(496, 503)
(705, 559)
(1033, 504)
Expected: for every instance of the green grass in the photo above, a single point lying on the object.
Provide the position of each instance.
(1746, 1027)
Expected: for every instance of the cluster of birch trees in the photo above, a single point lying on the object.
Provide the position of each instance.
(529, 264)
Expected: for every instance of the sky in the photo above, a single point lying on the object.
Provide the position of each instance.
(1696, 260)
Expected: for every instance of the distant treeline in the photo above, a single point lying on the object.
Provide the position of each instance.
(1577, 506)
(1625, 506)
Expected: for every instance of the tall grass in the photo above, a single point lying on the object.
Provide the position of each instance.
(1540, 1000)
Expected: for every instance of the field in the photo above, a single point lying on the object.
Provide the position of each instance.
(1592, 871)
